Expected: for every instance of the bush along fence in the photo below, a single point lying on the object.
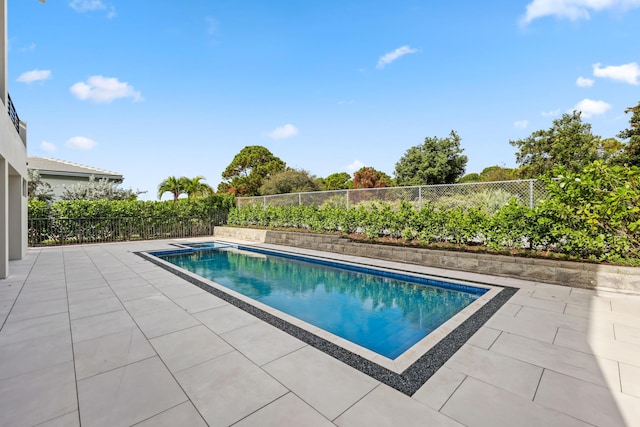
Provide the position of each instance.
(489, 196)
(594, 215)
(75, 222)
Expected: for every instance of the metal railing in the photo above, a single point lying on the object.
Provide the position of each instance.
(70, 231)
(487, 195)
(13, 114)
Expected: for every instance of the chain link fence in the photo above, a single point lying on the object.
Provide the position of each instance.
(489, 196)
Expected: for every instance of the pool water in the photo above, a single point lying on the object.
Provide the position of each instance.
(384, 312)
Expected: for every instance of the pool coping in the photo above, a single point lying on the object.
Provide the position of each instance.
(410, 370)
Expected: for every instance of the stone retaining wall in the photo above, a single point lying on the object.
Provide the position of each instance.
(575, 274)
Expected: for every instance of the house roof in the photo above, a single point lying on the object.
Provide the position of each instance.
(49, 166)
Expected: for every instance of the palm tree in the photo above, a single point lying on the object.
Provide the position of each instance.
(195, 187)
(172, 185)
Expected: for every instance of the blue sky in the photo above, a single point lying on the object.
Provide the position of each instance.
(151, 89)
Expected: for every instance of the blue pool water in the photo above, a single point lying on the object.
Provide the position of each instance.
(384, 312)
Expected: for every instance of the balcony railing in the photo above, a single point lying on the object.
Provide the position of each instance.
(14, 114)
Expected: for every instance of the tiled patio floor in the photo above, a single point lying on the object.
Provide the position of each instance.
(96, 335)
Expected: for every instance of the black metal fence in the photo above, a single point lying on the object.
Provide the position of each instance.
(13, 114)
(71, 231)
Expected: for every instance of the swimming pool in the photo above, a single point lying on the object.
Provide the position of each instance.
(384, 312)
(414, 362)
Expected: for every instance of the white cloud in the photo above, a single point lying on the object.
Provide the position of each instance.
(573, 9)
(30, 48)
(584, 82)
(282, 132)
(590, 108)
(551, 113)
(104, 89)
(80, 143)
(34, 76)
(388, 58)
(87, 5)
(112, 13)
(47, 146)
(628, 73)
(356, 165)
(521, 124)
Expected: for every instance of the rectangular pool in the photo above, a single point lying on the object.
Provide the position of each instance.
(384, 311)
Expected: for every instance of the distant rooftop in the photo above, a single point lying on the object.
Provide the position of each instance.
(49, 166)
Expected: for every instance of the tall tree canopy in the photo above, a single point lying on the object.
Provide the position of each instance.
(568, 143)
(338, 181)
(631, 154)
(368, 177)
(289, 181)
(490, 174)
(436, 161)
(248, 170)
(195, 187)
(172, 185)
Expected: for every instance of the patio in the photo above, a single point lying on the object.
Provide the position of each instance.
(95, 335)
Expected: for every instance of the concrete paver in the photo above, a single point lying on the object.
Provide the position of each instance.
(97, 334)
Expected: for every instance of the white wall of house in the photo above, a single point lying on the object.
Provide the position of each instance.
(13, 169)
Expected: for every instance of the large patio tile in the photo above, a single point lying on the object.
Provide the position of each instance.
(112, 351)
(38, 396)
(21, 330)
(226, 318)
(182, 415)
(628, 334)
(630, 379)
(602, 346)
(541, 331)
(82, 295)
(439, 388)
(160, 323)
(88, 308)
(34, 354)
(128, 395)
(149, 304)
(325, 383)
(559, 319)
(570, 362)
(72, 419)
(537, 303)
(262, 342)
(513, 375)
(199, 302)
(29, 310)
(100, 325)
(385, 406)
(189, 347)
(228, 388)
(136, 292)
(179, 290)
(586, 401)
(484, 337)
(477, 404)
(30, 295)
(86, 283)
(289, 410)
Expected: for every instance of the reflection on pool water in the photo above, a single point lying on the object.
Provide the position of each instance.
(381, 311)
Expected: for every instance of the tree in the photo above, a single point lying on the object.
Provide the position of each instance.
(569, 143)
(172, 185)
(102, 189)
(37, 189)
(338, 181)
(194, 187)
(248, 170)
(368, 177)
(289, 181)
(436, 161)
(631, 150)
(497, 173)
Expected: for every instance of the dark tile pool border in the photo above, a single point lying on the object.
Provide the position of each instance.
(407, 382)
